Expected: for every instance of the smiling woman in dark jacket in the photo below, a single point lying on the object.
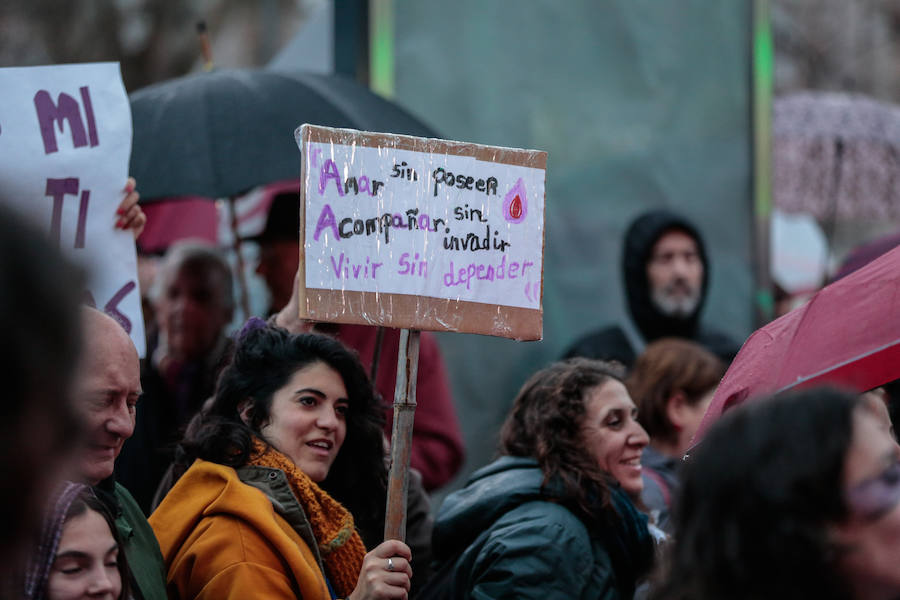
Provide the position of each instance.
(552, 517)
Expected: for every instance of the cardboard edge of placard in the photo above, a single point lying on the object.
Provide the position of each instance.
(495, 154)
(419, 312)
(299, 284)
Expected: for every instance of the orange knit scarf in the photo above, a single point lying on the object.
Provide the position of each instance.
(341, 547)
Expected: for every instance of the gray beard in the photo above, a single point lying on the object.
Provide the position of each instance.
(679, 307)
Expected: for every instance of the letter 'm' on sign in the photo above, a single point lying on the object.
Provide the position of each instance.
(66, 109)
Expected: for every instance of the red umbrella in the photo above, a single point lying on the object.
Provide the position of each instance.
(178, 218)
(848, 334)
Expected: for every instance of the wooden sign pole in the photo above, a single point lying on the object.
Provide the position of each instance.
(401, 435)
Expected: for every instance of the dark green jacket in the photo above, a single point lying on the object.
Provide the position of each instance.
(503, 537)
(148, 575)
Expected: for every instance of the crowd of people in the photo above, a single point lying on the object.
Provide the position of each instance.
(255, 465)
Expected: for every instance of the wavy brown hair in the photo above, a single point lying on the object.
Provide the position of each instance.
(666, 367)
(546, 424)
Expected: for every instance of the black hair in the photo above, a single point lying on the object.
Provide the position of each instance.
(756, 500)
(263, 362)
(40, 293)
(546, 424)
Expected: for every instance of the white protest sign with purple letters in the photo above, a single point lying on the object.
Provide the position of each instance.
(65, 143)
(422, 235)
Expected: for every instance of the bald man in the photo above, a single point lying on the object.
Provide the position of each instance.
(107, 390)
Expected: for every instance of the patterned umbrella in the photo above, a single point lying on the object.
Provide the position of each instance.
(837, 156)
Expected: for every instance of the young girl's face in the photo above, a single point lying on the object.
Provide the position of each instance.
(85, 565)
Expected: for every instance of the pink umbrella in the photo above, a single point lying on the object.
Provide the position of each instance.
(848, 335)
(836, 156)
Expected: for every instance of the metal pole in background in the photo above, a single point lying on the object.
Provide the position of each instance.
(762, 83)
(401, 435)
(351, 39)
(381, 47)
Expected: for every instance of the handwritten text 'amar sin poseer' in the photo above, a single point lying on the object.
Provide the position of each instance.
(382, 227)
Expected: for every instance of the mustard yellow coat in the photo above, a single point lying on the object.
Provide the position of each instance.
(222, 537)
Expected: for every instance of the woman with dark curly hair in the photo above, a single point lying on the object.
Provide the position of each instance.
(292, 415)
(553, 516)
(785, 498)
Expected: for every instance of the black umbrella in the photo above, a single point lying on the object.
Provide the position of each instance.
(222, 132)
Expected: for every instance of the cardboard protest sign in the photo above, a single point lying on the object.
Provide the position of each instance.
(421, 233)
(65, 142)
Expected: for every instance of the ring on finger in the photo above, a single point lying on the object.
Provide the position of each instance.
(390, 565)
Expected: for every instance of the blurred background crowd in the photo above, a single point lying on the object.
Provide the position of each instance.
(666, 93)
(712, 166)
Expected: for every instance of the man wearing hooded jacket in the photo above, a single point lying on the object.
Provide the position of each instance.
(665, 270)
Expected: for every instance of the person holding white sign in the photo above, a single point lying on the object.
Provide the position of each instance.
(438, 450)
(249, 518)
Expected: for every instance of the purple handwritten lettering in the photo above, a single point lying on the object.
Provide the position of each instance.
(65, 109)
(82, 218)
(326, 219)
(330, 171)
(337, 266)
(89, 115)
(58, 189)
(112, 307)
(474, 272)
(344, 268)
